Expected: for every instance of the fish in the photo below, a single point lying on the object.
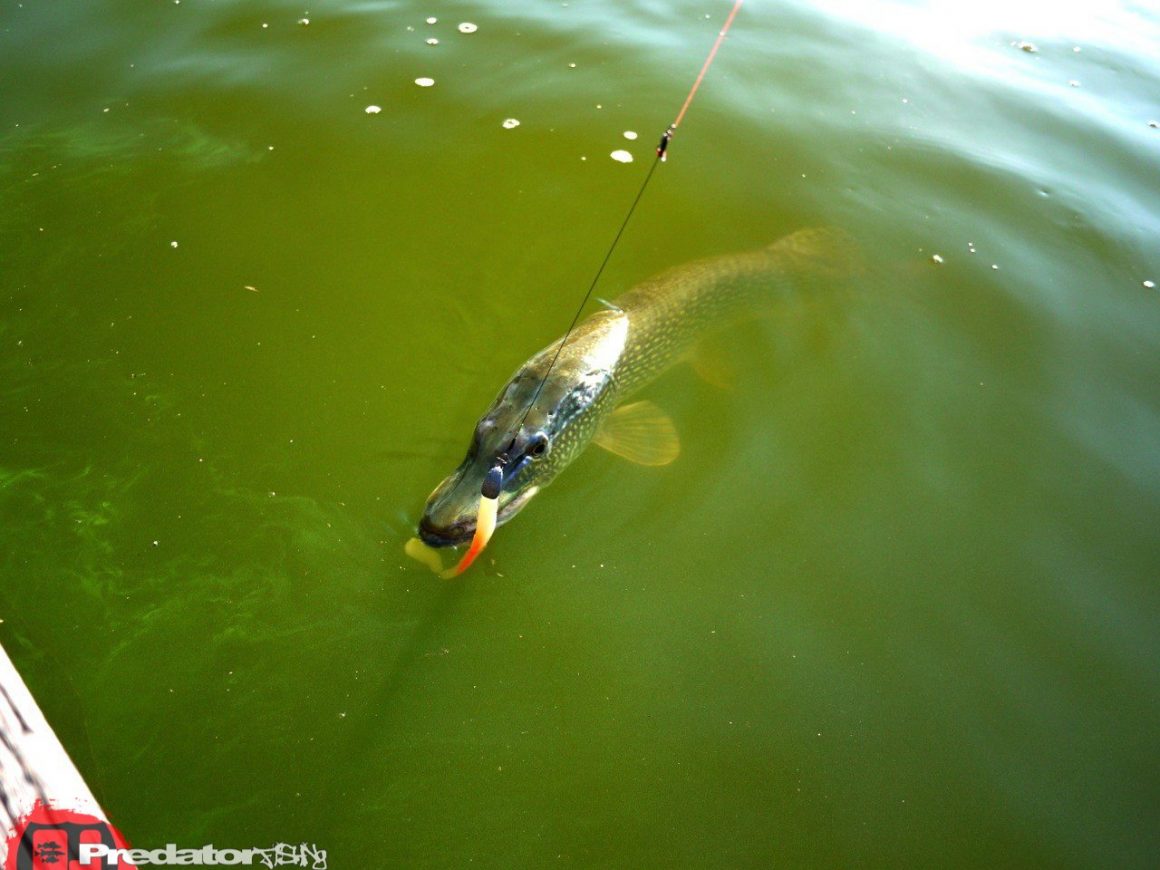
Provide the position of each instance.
(576, 391)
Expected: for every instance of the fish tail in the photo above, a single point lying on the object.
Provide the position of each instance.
(825, 252)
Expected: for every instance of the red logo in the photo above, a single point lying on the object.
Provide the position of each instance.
(52, 839)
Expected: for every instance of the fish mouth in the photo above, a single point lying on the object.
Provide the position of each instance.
(445, 536)
(463, 530)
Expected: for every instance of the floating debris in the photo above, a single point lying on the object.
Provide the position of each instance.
(621, 156)
(937, 259)
(468, 27)
(373, 110)
(1150, 284)
(510, 123)
(432, 41)
(305, 22)
(424, 82)
(432, 20)
(1026, 46)
(173, 244)
(1154, 124)
(251, 288)
(1073, 83)
(971, 247)
(629, 134)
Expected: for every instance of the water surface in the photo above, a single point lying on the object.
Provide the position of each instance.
(897, 602)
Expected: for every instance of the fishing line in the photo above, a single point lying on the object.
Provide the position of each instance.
(661, 155)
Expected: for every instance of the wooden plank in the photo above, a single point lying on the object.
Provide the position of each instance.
(34, 766)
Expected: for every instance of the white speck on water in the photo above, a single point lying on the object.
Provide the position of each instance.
(305, 22)
(468, 27)
(995, 266)
(621, 156)
(1026, 46)
(373, 110)
(936, 258)
(432, 41)
(424, 82)
(265, 25)
(1149, 284)
(629, 134)
(599, 106)
(971, 247)
(571, 66)
(432, 20)
(510, 123)
(173, 244)
(1073, 83)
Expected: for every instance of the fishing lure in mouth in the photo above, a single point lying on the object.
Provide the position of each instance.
(484, 521)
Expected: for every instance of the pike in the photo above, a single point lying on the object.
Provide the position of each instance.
(608, 361)
(575, 391)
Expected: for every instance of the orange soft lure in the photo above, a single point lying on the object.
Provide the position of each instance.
(484, 519)
(484, 527)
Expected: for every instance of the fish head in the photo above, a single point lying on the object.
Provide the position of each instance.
(531, 437)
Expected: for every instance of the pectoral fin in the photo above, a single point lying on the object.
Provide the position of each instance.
(641, 433)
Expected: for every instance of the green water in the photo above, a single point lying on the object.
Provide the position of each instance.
(897, 603)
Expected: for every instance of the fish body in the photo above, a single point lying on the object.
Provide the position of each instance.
(535, 432)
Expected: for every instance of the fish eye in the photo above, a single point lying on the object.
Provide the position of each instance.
(538, 445)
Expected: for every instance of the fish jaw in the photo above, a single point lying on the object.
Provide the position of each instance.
(450, 515)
